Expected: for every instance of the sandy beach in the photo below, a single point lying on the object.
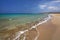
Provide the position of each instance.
(49, 30)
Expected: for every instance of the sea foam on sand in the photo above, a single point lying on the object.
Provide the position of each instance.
(50, 30)
(22, 32)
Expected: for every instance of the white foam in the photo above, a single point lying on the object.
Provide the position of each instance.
(37, 35)
(45, 20)
(21, 32)
(24, 38)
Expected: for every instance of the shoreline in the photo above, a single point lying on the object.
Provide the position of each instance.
(51, 29)
(22, 32)
(35, 29)
(47, 31)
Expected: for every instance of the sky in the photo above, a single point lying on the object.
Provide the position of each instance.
(29, 6)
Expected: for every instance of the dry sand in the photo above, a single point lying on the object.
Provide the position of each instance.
(49, 30)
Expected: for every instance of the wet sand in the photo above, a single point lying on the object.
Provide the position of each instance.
(31, 34)
(49, 30)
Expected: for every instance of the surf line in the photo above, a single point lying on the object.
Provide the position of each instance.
(24, 38)
(22, 32)
(46, 19)
(37, 35)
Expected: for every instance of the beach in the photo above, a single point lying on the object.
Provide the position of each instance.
(14, 25)
(48, 29)
(29, 19)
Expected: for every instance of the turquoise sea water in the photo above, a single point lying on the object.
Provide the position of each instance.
(12, 20)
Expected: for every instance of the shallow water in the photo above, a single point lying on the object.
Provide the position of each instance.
(12, 24)
(10, 21)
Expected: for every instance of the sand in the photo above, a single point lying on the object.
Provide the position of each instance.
(49, 30)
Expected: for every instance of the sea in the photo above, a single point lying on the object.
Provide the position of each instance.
(12, 20)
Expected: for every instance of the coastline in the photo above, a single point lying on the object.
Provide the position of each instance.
(43, 30)
(16, 33)
(49, 30)
(33, 27)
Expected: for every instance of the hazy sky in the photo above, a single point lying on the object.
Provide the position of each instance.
(29, 6)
